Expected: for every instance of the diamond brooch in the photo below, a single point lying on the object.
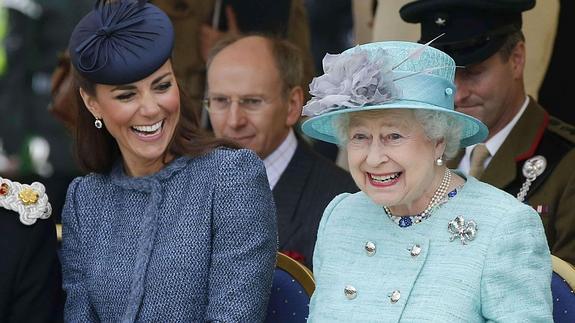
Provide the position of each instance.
(460, 229)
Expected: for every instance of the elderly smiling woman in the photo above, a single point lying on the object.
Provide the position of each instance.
(419, 242)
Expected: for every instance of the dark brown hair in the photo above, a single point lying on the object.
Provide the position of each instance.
(511, 41)
(287, 57)
(97, 151)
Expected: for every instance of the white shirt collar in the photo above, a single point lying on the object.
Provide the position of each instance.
(277, 162)
(494, 143)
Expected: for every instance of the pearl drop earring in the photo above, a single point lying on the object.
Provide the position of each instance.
(439, 161)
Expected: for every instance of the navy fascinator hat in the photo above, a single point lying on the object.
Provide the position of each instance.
(121, 41)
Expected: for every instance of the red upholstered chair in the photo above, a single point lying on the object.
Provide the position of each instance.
(562, 287)
(292, 287)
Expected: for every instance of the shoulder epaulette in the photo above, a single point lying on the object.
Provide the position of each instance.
(30, 201)
(562, 129)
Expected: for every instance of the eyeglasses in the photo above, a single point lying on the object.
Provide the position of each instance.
(221, 104)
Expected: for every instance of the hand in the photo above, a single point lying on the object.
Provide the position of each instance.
(209, 35)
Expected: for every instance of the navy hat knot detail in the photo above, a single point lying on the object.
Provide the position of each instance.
(121, 42)
(105, 31)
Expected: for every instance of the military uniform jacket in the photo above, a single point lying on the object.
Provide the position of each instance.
(552, 194)
(302, 193)
(502, 275)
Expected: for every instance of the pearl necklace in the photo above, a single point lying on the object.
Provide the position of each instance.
(405, 221)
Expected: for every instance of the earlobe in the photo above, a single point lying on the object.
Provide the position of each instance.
(440, 147)
(295, 105)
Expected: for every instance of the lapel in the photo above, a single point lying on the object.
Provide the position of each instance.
(289, 190)
(520, 144)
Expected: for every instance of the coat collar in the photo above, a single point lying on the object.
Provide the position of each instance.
(520, 145)
(146, 183)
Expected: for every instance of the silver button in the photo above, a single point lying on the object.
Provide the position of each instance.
(350, 292)
(370, 248)
(395, 296)
(415, 250)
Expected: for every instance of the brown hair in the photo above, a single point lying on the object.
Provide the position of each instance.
(286, 55)
(511, 41)
(97, 151)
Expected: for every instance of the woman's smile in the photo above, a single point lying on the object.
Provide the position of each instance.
(149, 132)
(383, 180)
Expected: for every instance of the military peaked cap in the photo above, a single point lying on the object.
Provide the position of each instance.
(473, 29)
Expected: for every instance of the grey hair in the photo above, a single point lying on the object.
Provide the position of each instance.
(436, 125)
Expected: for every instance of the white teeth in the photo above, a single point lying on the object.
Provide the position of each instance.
(152, 128)
(385, 178)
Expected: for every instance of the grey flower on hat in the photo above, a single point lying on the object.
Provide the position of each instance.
(352, 80)
(385, 75)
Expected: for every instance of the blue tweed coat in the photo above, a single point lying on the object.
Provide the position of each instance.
(504, 275)
(195, 242)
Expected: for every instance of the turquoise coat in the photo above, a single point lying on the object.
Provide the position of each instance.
(503, 275)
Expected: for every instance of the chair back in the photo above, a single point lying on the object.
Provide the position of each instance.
(562, 287)
(292, 287)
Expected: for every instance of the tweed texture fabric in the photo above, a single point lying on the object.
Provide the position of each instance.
(194, 242)
(503, 275)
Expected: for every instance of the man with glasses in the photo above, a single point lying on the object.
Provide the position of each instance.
(255, 99)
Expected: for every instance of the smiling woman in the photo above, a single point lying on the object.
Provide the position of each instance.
(153, 233)
(141, 117)
(417, 231)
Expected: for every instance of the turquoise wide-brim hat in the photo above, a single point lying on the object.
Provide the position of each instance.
(385, 75)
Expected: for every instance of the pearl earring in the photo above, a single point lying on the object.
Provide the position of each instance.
(98, 123)
(439, 161)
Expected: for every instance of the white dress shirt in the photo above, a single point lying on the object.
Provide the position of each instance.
(277, 162)
(493, 143)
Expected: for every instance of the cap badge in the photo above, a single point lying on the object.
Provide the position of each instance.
(440, 21)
